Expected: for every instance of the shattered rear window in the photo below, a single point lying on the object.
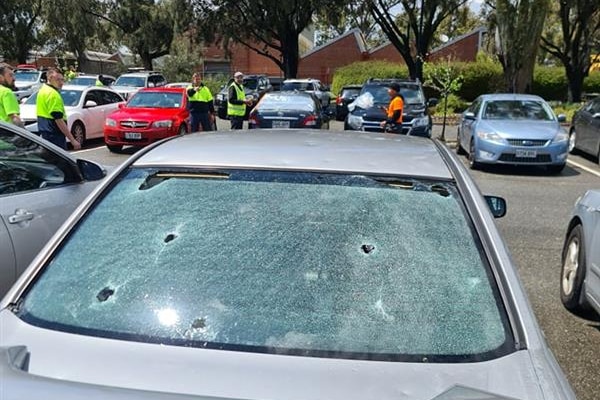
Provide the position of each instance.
(312, 264)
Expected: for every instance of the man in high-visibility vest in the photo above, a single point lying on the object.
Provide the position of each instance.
(9, 105)
(201, 105)
(99, 80)
(237, 102)
(393, 123)
(71, 73)
(51, 115)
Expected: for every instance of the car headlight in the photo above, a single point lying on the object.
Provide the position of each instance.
(110, 122)
(490, 136)
(167, 123)
(561, 136)
(355, 121)
(420, 121)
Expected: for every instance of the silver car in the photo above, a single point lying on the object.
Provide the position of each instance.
(580, 276)
(40, 186)
(279, 264)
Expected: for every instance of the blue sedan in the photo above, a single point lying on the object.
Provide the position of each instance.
(513, 129)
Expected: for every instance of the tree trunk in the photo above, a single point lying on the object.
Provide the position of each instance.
(290, 55)
(575, 78)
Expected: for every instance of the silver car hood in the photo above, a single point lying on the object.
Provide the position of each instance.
(521, 129)
(33, 358)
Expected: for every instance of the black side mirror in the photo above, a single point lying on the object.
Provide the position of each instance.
(561, 118)
(90, 171)
(497, 206)
(469, 115)
(432, 102)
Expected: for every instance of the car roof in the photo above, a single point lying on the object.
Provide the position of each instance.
(303, 149)
(164, 89)
(510, 96)
(300, 80)
(89, 87)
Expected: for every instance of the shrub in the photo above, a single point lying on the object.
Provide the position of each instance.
(359, 72)
(550, 83)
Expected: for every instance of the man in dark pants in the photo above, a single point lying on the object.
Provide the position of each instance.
(237, 102)
(201, 105)
(51, 115)
(393, 123)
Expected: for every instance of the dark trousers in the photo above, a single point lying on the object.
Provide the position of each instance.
(55, 138)
(236, 122)
(202, 118)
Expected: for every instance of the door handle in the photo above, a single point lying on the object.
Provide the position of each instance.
(20, 216)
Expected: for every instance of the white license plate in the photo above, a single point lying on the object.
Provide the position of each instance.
(526, 153)
(133, 135)
(281, 124)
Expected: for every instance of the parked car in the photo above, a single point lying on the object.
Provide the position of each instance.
(513, 129)
(580, 276)
(584, 134)
(28, 80)
(150, 115)
(255, 86)
(366, 112)
(40, 186)
(129, 83)
(91, 79)
(276, 82)
(289, 110)
(295, 264)
(347, 95)
(310, 85)
(86, 109)
(184, 85)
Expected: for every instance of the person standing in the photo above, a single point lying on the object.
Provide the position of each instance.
(99, 80)
(71, 73)
(393, 123)
(201, 105)
(51, 115)
(9, 105)
(237, 102)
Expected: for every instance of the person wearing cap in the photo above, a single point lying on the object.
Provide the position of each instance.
(393, 123)
(202, 108)
(237, 102)
(9, 105)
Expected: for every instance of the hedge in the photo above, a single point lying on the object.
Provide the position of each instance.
(479, 77)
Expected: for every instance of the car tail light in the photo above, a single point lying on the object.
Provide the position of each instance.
(310, 120)
(252, 120)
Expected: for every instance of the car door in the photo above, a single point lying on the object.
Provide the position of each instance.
(94, 114)
(594, 127)
(39, 188)
(467, 126)
(110, 103)
(8, 271)
(583, 127)
(593, 267)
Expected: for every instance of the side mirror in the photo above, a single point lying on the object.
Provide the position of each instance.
(596, 116)
(432, 102)
(90, 103)
(497, 206)
(90, 171)
(469, 115)
(561, 118)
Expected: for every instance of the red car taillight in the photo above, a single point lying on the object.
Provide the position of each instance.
(310, 120)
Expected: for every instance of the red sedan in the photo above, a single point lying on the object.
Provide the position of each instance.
(150, 115)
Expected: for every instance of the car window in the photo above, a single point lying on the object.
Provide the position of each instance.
(383, 268)
(595, 106)
(109, 97)
(26, 165)
(286, 102)
(132, 81)
(474, 108)
(27, 76)
(250, 83)
(349, 93)
(93, 95)
(517, 110)
(300, 86)
(156, 100)
(83, 81)
(70, 97)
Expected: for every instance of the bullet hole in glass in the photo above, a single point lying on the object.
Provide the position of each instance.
(170, 237)
(104, 294)
(367, 248)
(199, 323)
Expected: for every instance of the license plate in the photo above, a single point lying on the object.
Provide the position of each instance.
(526, 153)
(281, 124)
(133, 135)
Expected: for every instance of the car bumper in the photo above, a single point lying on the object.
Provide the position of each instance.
(407, 129)
(496, 153)
(147, 136)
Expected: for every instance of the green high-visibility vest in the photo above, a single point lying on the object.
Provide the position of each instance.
(202, 94)
(237, 110)
(49, 101)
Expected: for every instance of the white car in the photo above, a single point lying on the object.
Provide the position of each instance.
(86, 108)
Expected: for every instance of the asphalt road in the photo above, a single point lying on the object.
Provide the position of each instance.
(539, 207)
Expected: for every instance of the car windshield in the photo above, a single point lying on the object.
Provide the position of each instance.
(517, 110)
(300, 86)
(27, 76)
(314, 264)
(411, 94)
(70, 97)
(250, 83)
(87, 81)
(286, 102)
(156, 100)
(133, 81)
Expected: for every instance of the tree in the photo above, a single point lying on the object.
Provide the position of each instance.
(335, 21)
(579, 23)
(446, 79)
(519, 27)
(269, 27)
(19, 29)
(423, 22)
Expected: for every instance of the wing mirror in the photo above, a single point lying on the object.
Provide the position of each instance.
(497, 206)
(432, 102)
(90, 103)
(90, 170)
(561, 118)
(469, 115)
